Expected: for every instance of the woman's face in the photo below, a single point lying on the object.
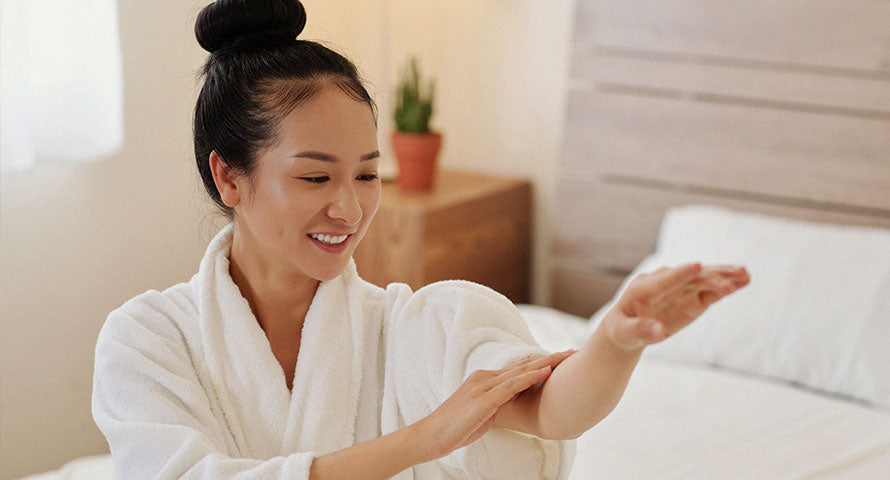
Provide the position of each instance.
(316, 184)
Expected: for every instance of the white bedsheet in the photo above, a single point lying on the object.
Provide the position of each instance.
(684, 422)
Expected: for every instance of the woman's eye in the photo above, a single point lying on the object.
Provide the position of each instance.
(315, 179)
(325, 178)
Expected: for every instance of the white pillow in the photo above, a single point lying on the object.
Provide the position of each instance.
(817, 310)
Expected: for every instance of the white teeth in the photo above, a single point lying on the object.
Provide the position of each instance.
(328, 239)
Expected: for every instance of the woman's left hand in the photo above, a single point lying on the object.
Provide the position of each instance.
(658, 304)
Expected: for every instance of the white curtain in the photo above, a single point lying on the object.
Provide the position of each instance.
(61, 81)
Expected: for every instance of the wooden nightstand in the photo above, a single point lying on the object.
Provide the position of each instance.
(469, 226)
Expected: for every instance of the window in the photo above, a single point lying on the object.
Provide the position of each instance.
(61, 81)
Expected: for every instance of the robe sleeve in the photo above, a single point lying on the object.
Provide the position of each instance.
(149, 404)
(436, 338)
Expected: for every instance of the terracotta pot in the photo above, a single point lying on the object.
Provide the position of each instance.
(416, 155)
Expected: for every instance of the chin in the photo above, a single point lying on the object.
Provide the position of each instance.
(327, 274)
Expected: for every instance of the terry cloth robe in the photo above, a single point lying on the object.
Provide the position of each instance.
(186, 384)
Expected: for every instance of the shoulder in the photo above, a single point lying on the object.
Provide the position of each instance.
(152, 320)
(448, 290)
(464, 290)
(456, 304)
(457, 327)
(454, 295)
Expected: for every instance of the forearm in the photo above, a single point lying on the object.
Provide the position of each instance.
(586, 386)
(381, 458)
(583, 389)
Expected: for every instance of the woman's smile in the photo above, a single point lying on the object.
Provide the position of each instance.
(330, 243)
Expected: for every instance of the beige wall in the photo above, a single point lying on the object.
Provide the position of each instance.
(76, 241)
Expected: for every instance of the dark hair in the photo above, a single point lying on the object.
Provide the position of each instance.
(257, 72)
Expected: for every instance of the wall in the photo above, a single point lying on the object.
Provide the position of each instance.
(501, 69)
(76, 241)
(79, 240)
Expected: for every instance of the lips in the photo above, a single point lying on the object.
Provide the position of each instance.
(328, 238)
(336, 248)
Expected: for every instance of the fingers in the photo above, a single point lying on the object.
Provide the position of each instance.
(709, 298)
(534, 363)
(666, 279)
(659, 304)
(471, 410)
(718, 282)
(488, 379)
(512, 385)
(670, 281)
(736, 274)
(508, 382)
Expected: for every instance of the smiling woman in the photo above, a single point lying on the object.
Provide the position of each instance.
(276, 360)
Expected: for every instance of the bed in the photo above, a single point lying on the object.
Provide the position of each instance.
(788, 378)
(733, 132)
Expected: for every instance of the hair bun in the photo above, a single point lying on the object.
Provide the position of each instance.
(225, 21)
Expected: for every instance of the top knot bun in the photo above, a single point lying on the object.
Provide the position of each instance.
(224, 21)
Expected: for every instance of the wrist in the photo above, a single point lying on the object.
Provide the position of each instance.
(422, 445)
(380, 458)
(618, 332)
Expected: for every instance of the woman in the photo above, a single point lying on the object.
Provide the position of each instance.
(277, 361)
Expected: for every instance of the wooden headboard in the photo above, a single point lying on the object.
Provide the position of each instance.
(779, 107)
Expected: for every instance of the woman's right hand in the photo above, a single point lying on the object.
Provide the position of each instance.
(471, 410)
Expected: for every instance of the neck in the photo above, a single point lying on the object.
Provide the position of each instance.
(279, 299)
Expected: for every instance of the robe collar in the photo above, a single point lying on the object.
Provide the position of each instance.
(264, 417)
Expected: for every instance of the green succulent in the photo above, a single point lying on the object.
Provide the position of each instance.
(413, 108)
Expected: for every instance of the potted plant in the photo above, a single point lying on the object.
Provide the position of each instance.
(416, 147)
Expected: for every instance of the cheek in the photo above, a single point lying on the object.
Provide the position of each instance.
(371, 202)
(277, 197)
(286, 211)
(275, 204)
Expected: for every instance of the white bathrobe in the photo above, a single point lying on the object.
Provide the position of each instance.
(186, 384)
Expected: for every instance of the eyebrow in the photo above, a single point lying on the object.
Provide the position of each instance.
(325, 157)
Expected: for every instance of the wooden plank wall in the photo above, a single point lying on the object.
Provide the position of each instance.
(779, 107)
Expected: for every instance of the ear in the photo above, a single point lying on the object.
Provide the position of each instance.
(225, 180)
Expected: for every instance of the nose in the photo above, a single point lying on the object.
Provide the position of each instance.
(345, 205)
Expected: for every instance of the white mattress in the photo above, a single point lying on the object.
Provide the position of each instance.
(686, 422)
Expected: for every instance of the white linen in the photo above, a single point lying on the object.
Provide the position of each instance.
(817, 310)
(686, 422)
(93, 467)
(186, 384)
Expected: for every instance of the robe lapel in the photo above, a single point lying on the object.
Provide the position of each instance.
(324, 402)
(247, 378)
(263, 416)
